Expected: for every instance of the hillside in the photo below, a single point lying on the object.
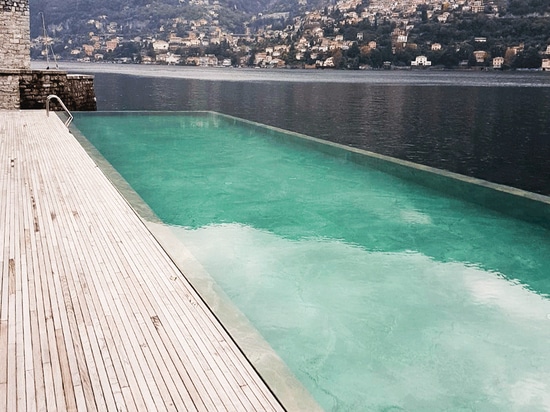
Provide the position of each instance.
(139, 17)
(296, 33)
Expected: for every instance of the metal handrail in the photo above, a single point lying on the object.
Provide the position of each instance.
(53, 96)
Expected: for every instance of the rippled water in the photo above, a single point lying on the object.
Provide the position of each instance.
(491, 125)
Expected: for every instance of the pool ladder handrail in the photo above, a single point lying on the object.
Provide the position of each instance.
(53, 96)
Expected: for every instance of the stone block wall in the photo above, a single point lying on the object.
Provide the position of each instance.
(76, 91)
(15, 38)
(9, 90)
(28, 89)
(81, 92)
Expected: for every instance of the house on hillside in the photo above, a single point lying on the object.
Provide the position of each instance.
(328, 62)
(477, 6)
(481, 56)
(169, 58)
(160, 45)
(421, 61)
(498, 62)
(444, 17)
(88, 49)
(111, 45)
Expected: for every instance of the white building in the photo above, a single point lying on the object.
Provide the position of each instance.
(160, 45)
(421, 61)
(498, 62)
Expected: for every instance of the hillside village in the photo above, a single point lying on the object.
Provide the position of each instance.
(350, 34)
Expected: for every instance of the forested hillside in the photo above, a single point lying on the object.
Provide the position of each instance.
(135, 16)
(146, 16)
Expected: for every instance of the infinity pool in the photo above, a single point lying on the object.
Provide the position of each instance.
(379, 294)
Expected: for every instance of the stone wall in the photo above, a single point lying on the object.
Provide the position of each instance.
(28, 89)
(9, 90)
(81, 92)
(15, 39)
(76, 91)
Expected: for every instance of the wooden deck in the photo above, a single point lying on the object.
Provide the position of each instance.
(93, 314)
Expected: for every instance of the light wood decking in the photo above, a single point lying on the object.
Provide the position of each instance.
(93, 313)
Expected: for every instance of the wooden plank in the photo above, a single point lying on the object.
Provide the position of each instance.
(28, 390)
(4, 260)
(13, 272)
(94, 314)
(101, 395)
(49, 356)
(119, 340)
(38, 327)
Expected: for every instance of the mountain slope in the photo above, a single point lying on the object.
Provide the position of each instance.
(138, 16)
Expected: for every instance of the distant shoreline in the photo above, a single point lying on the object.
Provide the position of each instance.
(417, 77)
(309, 68)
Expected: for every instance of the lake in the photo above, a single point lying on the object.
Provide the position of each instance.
(490, 125)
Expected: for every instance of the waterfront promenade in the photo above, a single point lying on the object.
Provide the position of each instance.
(93, 313)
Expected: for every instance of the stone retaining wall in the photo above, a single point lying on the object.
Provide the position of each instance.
(28, 89)
(15, 38)
(76, 91)
(9, 90)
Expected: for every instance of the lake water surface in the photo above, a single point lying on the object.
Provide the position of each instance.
(490, 125)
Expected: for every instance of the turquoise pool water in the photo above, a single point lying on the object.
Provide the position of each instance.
(379, 294)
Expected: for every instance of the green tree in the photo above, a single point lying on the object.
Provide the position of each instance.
(353, 51)
(528, 59)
